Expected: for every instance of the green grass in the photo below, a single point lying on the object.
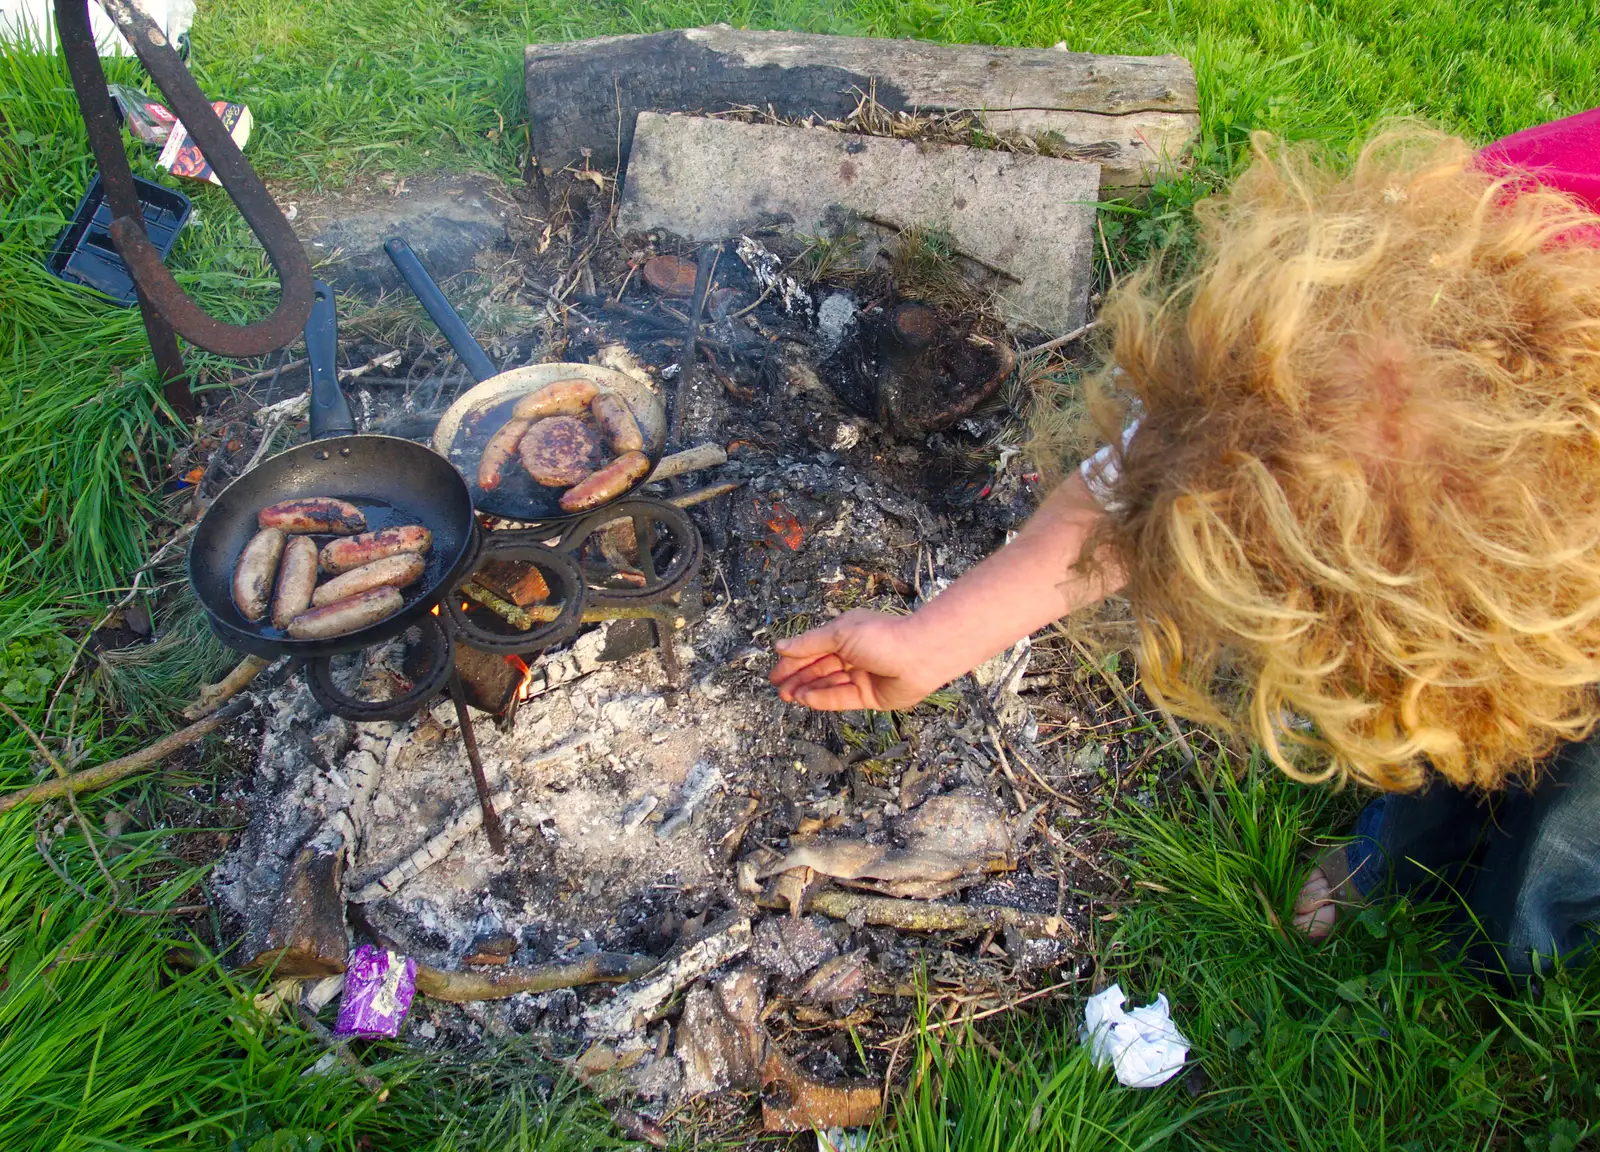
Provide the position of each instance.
(1372, 1041)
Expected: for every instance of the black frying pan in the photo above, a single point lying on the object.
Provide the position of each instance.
(465, 428)
(392, 481)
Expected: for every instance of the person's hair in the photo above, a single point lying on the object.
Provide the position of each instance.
(1367, 478)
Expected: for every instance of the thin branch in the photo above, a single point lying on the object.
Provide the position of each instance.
(114, 770)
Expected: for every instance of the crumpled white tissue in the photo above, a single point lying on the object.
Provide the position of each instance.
(1144, 1045)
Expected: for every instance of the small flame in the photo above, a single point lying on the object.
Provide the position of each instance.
(524, 689)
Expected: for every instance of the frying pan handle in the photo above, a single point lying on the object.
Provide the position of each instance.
(330, 412)
(433, 302)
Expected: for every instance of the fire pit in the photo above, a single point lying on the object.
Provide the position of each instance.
(764, 886)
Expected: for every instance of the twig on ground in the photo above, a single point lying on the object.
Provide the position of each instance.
(1076, 809)
(114, 770)
(987, 266)
(214, 696)
(924, 915)
(341, 1049)
(596, 968)
(241, 381)
(177, 537)
(1060, 341)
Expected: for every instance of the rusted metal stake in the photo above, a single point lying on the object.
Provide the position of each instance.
(491, 818)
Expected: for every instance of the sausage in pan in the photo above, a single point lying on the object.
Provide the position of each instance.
(252, 576)
(617, 421)
(297, 579)
(354, 551)
(558, 451)
(561, 398)
(607, 484)
(498, 452)
(390, 572)
(313, 514)
(348, 615)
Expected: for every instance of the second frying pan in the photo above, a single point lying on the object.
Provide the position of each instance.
(393, 482)
(467, 425)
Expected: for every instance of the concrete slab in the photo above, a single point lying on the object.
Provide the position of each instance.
(1133, 115)
(448, 220)
(1030, 216)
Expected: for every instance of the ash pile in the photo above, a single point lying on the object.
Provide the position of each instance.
(703, 888)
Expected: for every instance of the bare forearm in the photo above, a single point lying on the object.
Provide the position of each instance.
(1018, 590)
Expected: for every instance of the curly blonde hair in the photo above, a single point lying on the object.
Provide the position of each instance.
(1367, 476)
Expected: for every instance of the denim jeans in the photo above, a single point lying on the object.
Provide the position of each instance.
(1524, 863)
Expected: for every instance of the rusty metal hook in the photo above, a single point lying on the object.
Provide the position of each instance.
(166, 307)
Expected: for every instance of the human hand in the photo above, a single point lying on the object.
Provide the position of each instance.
(861, 660)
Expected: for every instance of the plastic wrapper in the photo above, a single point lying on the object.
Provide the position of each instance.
(150, 123)
(378, 987)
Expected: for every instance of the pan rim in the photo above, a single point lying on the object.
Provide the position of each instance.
(243, 640)
(525, 378)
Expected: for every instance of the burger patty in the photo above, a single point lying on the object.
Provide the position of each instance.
(559, 451)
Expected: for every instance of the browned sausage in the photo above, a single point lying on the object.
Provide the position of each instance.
(297, 579)
(607, 484)
(252, 575)
(348, 615)
(559, 451)
(617, 421)
(354, 551)
(390, 572)
(498, 452)
(561, 398)
(313, 514)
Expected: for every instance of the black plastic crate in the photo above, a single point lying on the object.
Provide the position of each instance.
(84, 253)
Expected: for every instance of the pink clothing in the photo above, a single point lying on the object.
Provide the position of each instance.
(1564, 155)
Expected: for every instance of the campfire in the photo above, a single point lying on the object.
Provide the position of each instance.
(609, 833)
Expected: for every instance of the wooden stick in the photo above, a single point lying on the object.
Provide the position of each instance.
(709, 492)
(689, 460)
(341, 1048)
(240, 381)
(926, 916)
(1061, 341)
(214, 696)
(596, 968)
(526, 618)
(114, 770)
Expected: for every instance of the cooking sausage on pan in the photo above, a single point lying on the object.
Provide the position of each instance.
(561, 398)
(498, 452)
(617, 421)
(354, 551)
(348, 615)
(297, 579)
(390, 572)
(558, 451)
(252, 575)
(313, 514)
(607, 484)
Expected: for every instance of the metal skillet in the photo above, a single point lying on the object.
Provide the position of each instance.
(394, 482)
(466, 426)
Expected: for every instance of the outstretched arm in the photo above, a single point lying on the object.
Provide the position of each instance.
(874, 660)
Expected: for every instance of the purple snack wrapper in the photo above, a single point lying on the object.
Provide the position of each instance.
(378, 987)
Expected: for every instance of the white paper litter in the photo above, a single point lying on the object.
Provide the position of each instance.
(1144, 1045)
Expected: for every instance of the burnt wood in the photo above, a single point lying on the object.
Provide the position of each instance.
(1130, 114)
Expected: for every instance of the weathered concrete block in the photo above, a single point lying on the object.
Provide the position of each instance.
(1030, 216)
(447, 220)
(1131, 114)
